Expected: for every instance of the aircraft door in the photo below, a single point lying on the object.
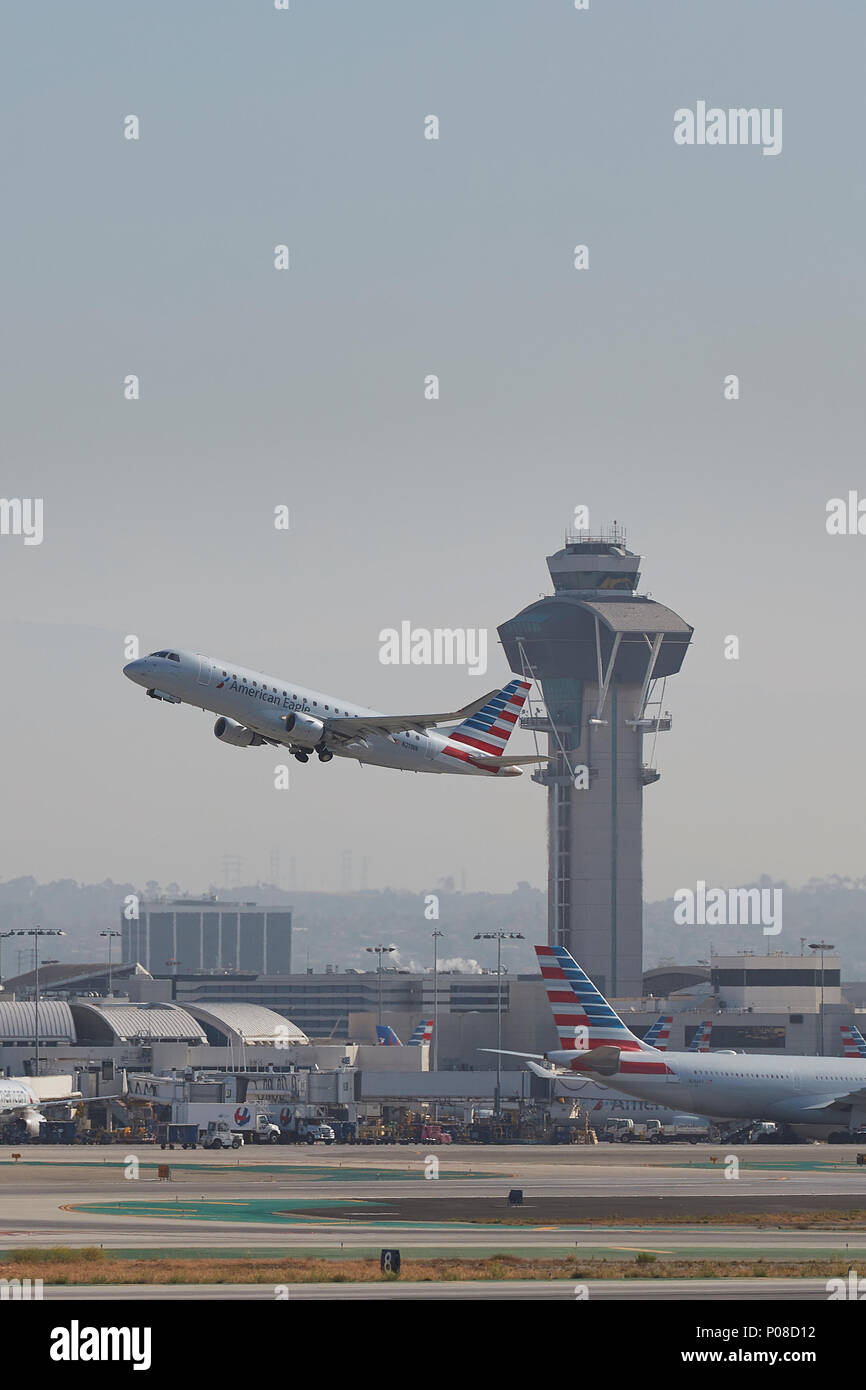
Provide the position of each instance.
(205, 671)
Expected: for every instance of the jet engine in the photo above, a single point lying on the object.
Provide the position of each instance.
(238, 735)
(303, 729)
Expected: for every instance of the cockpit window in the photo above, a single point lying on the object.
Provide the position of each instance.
(173, 656)
(159, 653)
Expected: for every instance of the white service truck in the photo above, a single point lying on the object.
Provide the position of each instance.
(250, 1122)
(219, 1136)
(691, 1129)
(296, 1127)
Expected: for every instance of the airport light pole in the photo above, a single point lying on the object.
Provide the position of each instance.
(498, 937)
(821, 946)
(379, 951)
(36, 932)
(3, 936)
(436, 934)
(109, 934)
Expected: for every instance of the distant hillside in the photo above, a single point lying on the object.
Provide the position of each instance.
(334, 928)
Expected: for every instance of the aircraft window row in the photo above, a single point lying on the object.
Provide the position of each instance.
(172, 657)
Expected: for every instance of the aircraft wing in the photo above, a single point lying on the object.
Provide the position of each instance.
(359, 726)
(822, 1102)
(503, 1052)
(77, 1100)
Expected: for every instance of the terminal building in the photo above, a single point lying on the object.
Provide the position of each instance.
(759, 1003)
(207, 934)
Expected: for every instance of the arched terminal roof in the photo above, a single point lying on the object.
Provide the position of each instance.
(250, 1024)
(18, 1022)
(663, 980)
(107, 1024)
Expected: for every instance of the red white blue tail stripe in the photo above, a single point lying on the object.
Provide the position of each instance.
(701, 1041)
(658, 1034)
(489, 730)
(423, 1033)
(853, 1042)
(585, 1020)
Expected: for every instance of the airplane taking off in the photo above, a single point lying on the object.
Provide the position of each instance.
(255, 709)
(818, 1092)
(422, 1034)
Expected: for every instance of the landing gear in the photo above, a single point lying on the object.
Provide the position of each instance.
(325, 755)
(302, 757)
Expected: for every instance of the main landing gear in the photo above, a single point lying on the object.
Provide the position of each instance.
(324, 754)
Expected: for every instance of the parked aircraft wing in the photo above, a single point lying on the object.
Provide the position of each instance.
(842, 1097)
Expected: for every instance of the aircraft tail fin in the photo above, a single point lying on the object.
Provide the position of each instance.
(490, 728)
(701, 1041)
(386, 1035)
(423, 1033)
(658, 1034)
(584, 1019)
(853, 1042)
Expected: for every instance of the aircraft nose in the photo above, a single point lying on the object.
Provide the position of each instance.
(135, 670)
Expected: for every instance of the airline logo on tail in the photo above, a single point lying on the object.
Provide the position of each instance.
(658, 1034)
(584, 1019)
(489, 730)
(853, 1041)
(388, 1038)
(423, 1033)
(701, 1041)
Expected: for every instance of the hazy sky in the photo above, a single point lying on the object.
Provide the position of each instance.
(558, 387)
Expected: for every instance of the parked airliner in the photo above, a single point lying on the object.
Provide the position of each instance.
(255, 709)
(818, 1092)
(18, 1099)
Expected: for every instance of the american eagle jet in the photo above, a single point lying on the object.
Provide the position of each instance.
(254, 709)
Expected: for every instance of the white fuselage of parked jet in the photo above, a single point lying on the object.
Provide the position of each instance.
(603, 1103)
(820, 1091)
(254, 708)
(16, 1095)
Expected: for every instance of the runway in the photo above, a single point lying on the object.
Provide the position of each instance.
(298, 1200)
(557, 1290)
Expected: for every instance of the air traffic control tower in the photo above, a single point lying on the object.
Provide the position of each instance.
(600, 654)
